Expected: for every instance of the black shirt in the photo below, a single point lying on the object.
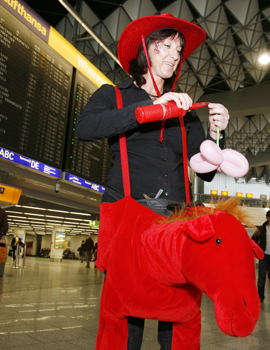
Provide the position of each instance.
(153, 164)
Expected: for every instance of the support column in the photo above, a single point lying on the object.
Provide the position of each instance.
(57, 244)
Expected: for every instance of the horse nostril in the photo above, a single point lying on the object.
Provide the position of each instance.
(244, 302)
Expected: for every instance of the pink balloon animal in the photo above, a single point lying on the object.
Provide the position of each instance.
(211, 157)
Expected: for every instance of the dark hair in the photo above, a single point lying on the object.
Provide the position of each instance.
(138, 66)
(268, 214)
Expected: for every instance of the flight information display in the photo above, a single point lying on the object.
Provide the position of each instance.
(35, 84)
(89, 160)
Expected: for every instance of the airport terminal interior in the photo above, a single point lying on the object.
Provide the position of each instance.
(55, 306)
(51, 190)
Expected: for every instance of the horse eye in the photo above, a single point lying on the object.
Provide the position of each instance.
(218, 241)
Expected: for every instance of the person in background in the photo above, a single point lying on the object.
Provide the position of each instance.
(16, 240)
(81, 251)
(3, 222)
(66, 253)
(95, 252)
(262, 238)
(88, 249)
(151, 50)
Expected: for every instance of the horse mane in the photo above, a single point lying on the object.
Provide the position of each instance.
(230, 206)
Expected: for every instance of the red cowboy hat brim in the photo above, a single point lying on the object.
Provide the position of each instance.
(131, 37)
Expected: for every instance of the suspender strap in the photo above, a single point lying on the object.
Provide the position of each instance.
(123, 150)
(124, 155)
(185, 158)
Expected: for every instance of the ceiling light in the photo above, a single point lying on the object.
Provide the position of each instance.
(86, 214)
(264, 59)
(51, 216)
(55, 222)
(58, 211)
(25, 206)
(33, 214)
(75, 219)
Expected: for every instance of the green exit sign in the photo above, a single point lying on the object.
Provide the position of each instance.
(94, 223)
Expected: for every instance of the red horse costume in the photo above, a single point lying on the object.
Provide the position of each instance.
(159, 271)
(157, 268)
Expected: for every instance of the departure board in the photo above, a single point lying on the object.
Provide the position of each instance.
(35, 84)
(89, 160)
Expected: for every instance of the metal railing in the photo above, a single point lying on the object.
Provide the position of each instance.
(17, 257)
(249, 202)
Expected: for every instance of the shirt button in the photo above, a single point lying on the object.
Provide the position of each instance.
(166, 193)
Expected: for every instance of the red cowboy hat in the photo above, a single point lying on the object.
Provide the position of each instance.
(131, 37)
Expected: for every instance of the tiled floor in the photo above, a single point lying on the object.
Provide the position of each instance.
(49, 305)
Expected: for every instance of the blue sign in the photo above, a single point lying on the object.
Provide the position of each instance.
(29, 163)
(84, 183)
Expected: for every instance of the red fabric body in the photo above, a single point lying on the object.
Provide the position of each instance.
(129, 289)
(159, 271)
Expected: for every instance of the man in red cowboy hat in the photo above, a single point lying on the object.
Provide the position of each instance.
(151, 49)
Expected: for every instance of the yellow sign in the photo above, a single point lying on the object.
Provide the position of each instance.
(9, 194)
(73, 56)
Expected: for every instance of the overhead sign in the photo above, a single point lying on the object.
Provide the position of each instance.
(9, 194)
(29, 17)
(94, 223)
(29, 163)
(84, 183)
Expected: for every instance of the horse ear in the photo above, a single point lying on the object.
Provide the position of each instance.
(257, 251)
(200, 229)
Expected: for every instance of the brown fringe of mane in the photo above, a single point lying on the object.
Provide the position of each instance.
(230, 206)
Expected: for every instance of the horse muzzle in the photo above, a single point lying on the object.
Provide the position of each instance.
(237, 309)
